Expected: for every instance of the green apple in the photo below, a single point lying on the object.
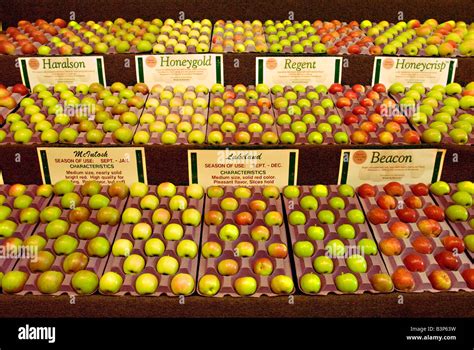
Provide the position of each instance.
(282, 284)
(35, 241)
(56, 228)
(323, 264)
(346, 190)
(335, 248)
(87, 230)
(123, 247)
(469, 241)
(347, 283)
(49, 282)
(367, 246)
(457, 213)
(98, 247)
(14, 281)
(315, 232)
(167, 265)
(98, 201)
(326, 216)
(131, 215)
(303, 249)
(5, 212)
(309, 203)
(65, 245)
(319, 190)
(110, 283)
(229, 232)
(173, 232)
(22, 201)
(133, 264)
(146, 283)
(85, 282)
(209, 285)
(50, 213)
(440, 188)
(310, 283)
(466, 186)
(291, 192)
(297, 217)
(357, 263)
(62, 187)
(245, 286)
(154, 247)
(462, 198)
(187, 249)
(337, 203)
(70, 200)
(346, 231)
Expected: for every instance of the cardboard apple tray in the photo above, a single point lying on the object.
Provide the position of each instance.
(95, 264)
(301, 138)
(155, 137)
(230, 48)
(278, 235)
(186, 265)
(460, 228)
(382, 231)
(445, 136)
(81, 139)
(23, 230)
(298, 233)
(256, 137)
(373, 136)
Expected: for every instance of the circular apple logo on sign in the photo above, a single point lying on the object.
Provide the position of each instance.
(33, 63)
(359, 157)
(150, 61)
(271, 63)
(388, 63)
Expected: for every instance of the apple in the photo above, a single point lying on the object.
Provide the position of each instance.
(275, 218)
(87, 230)
(182, 284)
(209, 285)
(131, 216)
(323, 264)
(110, 283)
(403, 279)
(367, 246)
(245, 286)
(146, 283)
(394, 189)
(75, 262)
(335, 248)
(391, 246)
(228, 267)
(366, 190)
(211, 250)
(310, 283)
(271, 192)
(154, 247)
(386, 201)
(413, 202)
(440, 280)
(35, 242)
(468, 275)
(346, 190)
(378, 216)
(407, 215)
(98, 247)
(457, 213)
(85, 282)
(22, 202)
(54, 229)
(44, 191)
(149, 202)
(381, 282)
(356, 216)
(187, 249)
(195, 191)
(29, 216)
(138, 189)
(434, 212)
(414, 263)
(309, 203)
(76, 215)
(347, 283)
(215, 191)
(122, 247)
(448, 260)
(440, 188)
(173, 232)
(49, 282)
(134, 264)
(65, 245)
(282, 284)
(14, 281)
(43, 261)
(191, 217)
(315, 232)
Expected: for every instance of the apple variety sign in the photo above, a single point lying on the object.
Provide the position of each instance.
(71, 70)
(195, 69)
(298, 70)
(233, 167)
(411, 70)
(103, 164)
(379, 166)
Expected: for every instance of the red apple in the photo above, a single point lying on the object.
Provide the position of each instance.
(20, 89)
(334, 88)
(359, 110)
(244, 218)
(378, 216)
(468, 276)
(440, 280)
(366, 102)
(343, 102)
(213, 217)
(434, 212)
(448, 260)
(411, 137)
(422, 245)
(379, 88)
(453, 244)
(391, 246)
(403, 279)
(358, 88)
(368, 126)
(407, 215)
(420, 189)
(350, 118)
(429, 227)
(413, 202)
(359, 137)
(394, 189)
(399, 229)
(386, 201)
(350, 95)
(414, 263)
(373, 95)
(366, 190)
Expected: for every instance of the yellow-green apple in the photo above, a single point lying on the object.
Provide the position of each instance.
(122, 247)
(110, 283)
(381, 282)
(282, 284)
(167, 265)
(14, 281)
(65, 245)
(212, 250)
(209, 285)
(173, 232)
(347, 283)
(133, 264)
(42, 262)
(146, 283)
(323, 264)
(187, 249)
(245, 286)
(98, 247)
(229, 232)
(85, 282)
(49, 282)
(182, 284)
(75, 262)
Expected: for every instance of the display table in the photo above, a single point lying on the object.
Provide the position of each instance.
(448, 304)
